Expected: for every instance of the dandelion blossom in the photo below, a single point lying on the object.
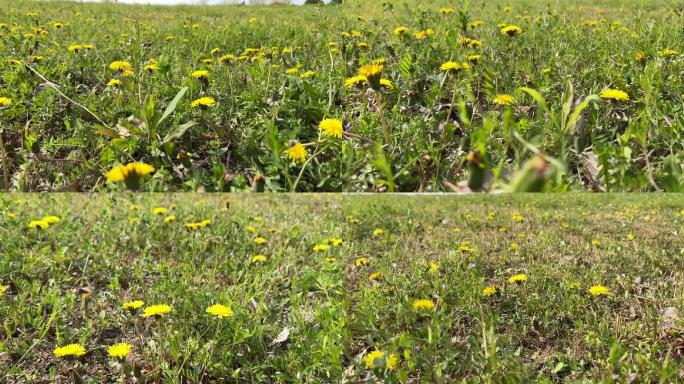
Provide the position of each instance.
(378, 232)
(40, 224)
(51, 219)
(123, 67)
(372, 357)
(321, 247)
(331, 128)
(130, 174)
(356, 81)
(504, 99)
(203, 102)
(452, 66)
(135, 304)
(489, 291)
(201, 74)
(361, 261)
(517, 278)
(258, 259)
(400, 30)
(70, 350)
(599, 290)
(119, 351)
(615, 94)
(423, 305)
(297, 152)
(156, 310)
(510, 30)
(668, 53)
(3, 288)
(5, 101)
(220, 311)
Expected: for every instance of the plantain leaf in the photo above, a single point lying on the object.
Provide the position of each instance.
(173, 105)
(177, 132)
(575, 115)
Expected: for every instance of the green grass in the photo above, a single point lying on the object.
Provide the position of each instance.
(66, 284)
(415, 137)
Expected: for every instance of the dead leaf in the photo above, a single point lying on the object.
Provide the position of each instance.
(282, 336)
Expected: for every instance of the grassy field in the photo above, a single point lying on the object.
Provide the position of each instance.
(350, 289)
(480, 95)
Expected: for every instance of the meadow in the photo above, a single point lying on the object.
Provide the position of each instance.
(364, 96)
(330, 288)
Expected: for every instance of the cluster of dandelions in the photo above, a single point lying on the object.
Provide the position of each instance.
(120, 351)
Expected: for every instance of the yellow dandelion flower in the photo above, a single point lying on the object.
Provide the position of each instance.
(387, 84)
(258, 259)
(156, 310)
(361, 261)
(489, 291)
(51, 219)
(401, 30)
(504, 99)
(331, 128)
(220, 311)
(423, 305)
(517, 278)
(203, 102)
(119, 351)
(422, 35)
(123, 67)
(169, 219)
(152, 67)
(3, 288)
(614, 94)
(297, 152)
(374, 359)
(5, 101)
(321, 247)
(135, 304)
(75, 48)
(333, 242)
(307, 75)
(69, 350)
(668, 53)
(356, 81)
(451, 66)
(40, 224)
(251, 229)
(130, 174)
(446, 11)
(201, 74)
(599, 290)
(160, 211)
(474, 58)
(371, 70)
(114, 83)
(226, 58)
(259, 240)
(374, 276)
(510, 30)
